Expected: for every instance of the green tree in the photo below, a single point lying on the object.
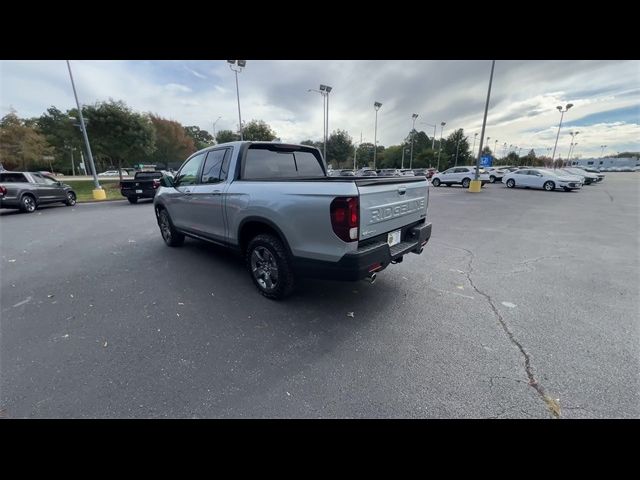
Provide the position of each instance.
(120, 134)
(22, 146)
(224, 136)
(173, 143)
(455, 142)
(61, 132)
(339, 149)
(258, 130)
(201, 138)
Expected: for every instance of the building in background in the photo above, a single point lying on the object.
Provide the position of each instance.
(607, 163)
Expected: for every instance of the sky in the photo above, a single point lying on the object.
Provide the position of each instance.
(522, 109)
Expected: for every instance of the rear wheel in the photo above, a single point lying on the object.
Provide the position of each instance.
(549, 186)
(511, 183)
(436, 182)
(466, 182)
(492, 179)
(269, 266)
(28, 204)
(71, 199)
(170, 235)
(132, 199)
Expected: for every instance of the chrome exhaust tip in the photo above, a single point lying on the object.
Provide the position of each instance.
(372, 278)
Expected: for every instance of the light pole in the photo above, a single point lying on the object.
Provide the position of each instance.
(475, 135)
(326, 89)
(442, 124)
(457, 147)
(98, 192)
(573, 135)
(433, 139)
(376, 106)
(73, 166)
(562, 112)
(404, 150)
(324, 118)
(495, 149)
(214, 128)
(602, 152)
(237, 66)
(355, 153)
(504, 151)
(413, 129)
(573, 150)
(477, 185)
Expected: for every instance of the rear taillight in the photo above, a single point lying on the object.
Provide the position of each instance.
(156, 183)
(345, 217)
(3, 190)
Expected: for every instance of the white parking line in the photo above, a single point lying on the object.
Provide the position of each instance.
(27, 300)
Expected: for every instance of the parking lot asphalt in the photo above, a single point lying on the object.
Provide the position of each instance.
(524, 304)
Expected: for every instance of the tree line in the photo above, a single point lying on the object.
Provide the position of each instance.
(121, 138)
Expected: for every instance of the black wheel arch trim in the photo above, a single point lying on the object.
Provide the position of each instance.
(269, 223)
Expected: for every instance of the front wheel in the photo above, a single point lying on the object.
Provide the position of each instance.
(549, 186)
(436, 182)
(269, 266)
(492, 179)
(170, 235)
(71, 199)
(511, 183)
(132, 199)
(466, 182)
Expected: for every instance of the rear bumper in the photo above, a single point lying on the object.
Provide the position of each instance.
(146, 192)
(9, 203)
(366, 260)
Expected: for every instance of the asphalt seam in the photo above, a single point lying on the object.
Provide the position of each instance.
(552, 405)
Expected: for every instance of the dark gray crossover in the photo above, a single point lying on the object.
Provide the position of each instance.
(27, 190)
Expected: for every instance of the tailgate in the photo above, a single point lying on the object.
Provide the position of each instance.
(388, 207)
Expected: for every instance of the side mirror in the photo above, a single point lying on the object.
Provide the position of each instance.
(167, 181)
(59, 183)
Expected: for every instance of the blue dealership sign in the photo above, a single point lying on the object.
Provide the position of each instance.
(486, 161)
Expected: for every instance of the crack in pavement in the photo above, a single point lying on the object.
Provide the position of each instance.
(552, 405)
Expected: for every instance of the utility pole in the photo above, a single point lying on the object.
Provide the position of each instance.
(477, 185)
(98, 192)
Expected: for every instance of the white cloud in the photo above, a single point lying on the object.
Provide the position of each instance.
(522, 109)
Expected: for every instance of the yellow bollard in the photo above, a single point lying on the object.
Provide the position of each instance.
(475, 186)
(99, 194)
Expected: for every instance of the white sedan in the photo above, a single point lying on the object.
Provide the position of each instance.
(541, 178)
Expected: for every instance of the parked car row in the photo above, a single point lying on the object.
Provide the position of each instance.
(383, 172)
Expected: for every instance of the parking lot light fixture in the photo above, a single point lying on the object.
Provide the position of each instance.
(562, 112)
(602, 152)
(237, 66)
(376, 106)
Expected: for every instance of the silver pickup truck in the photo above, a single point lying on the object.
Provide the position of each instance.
(276, 205)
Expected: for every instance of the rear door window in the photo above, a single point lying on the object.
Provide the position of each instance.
(12, 177)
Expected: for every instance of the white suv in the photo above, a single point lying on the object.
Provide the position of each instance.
(458, 175)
